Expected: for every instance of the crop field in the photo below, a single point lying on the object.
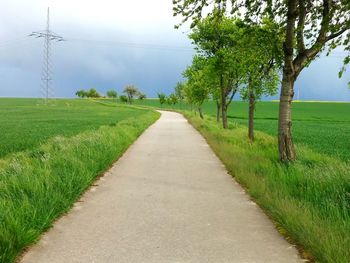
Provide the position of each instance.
(322, 126)
(25, 123)
(50, 154)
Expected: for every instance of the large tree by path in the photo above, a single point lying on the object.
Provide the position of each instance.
(309, 26)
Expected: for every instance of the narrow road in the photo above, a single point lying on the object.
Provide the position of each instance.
(168, 199)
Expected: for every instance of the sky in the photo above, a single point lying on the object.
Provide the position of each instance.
(113, 43)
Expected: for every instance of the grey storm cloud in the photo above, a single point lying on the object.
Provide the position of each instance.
(113, 43)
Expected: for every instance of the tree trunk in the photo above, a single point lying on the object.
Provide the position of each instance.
(223, 104)
(200, 112)
(285, 141)
(218, 108)
(224, 113)
(251, 116)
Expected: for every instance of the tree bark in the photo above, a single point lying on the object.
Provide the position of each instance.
(224, 111)
(285, 141)
(218, 108)
(251, 116)
(224, 116)
(223, 104)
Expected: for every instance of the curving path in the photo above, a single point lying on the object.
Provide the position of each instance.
(168, 199)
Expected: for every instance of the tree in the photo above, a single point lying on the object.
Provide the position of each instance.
(112, 94)
(255, 89)
(174, 99)
(81, 93)
(162, 98)
(168, 101)
(178, 90)
(131, 91)
(215, 94)
(309, 27)
(92, 93)
(262, 49)
(218, 40)
(142, 96)
(198, 85)
(123, 98)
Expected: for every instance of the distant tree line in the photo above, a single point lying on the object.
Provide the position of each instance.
(91, 93)
(131, 92)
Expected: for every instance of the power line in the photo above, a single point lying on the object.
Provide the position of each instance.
(46, 77)
(133, 45)
(14, 41)
(334, 54)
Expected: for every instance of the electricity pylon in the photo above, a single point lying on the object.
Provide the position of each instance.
(46, 78)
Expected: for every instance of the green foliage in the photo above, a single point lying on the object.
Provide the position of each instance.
(92, 93)
(317, 25)
(173, 99)
(310, 199)
(81, 93)
(131, 91)
(262, 48)
(142, 96)
(112, 94)
(198, 82)
(219, 41)
(179, 90)
(162, 98)
(240, 54)
(168, 101)
(224, 58)
(42, 183)
(123, 98)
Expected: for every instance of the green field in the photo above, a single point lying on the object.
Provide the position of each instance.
(324, 127)
(25, 123)
(308, 199)
(50, 155)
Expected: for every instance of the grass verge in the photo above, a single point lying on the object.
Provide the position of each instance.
(310, 198)
(39, 185)
(322, 127)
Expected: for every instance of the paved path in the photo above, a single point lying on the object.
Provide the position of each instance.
(168, 199)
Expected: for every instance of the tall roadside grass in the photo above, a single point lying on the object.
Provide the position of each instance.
(37, 186)
(309, 198)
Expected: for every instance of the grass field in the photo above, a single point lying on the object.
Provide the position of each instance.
(58, 151)
(323, 127)
(50, 154)
(310, 199)
(25, 123)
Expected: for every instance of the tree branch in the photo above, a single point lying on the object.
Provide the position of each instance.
(321, 39)
(301, 26)
(303, 57)
(232, 95)
(337, 34)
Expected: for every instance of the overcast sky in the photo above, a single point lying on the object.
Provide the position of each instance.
(112, 43)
